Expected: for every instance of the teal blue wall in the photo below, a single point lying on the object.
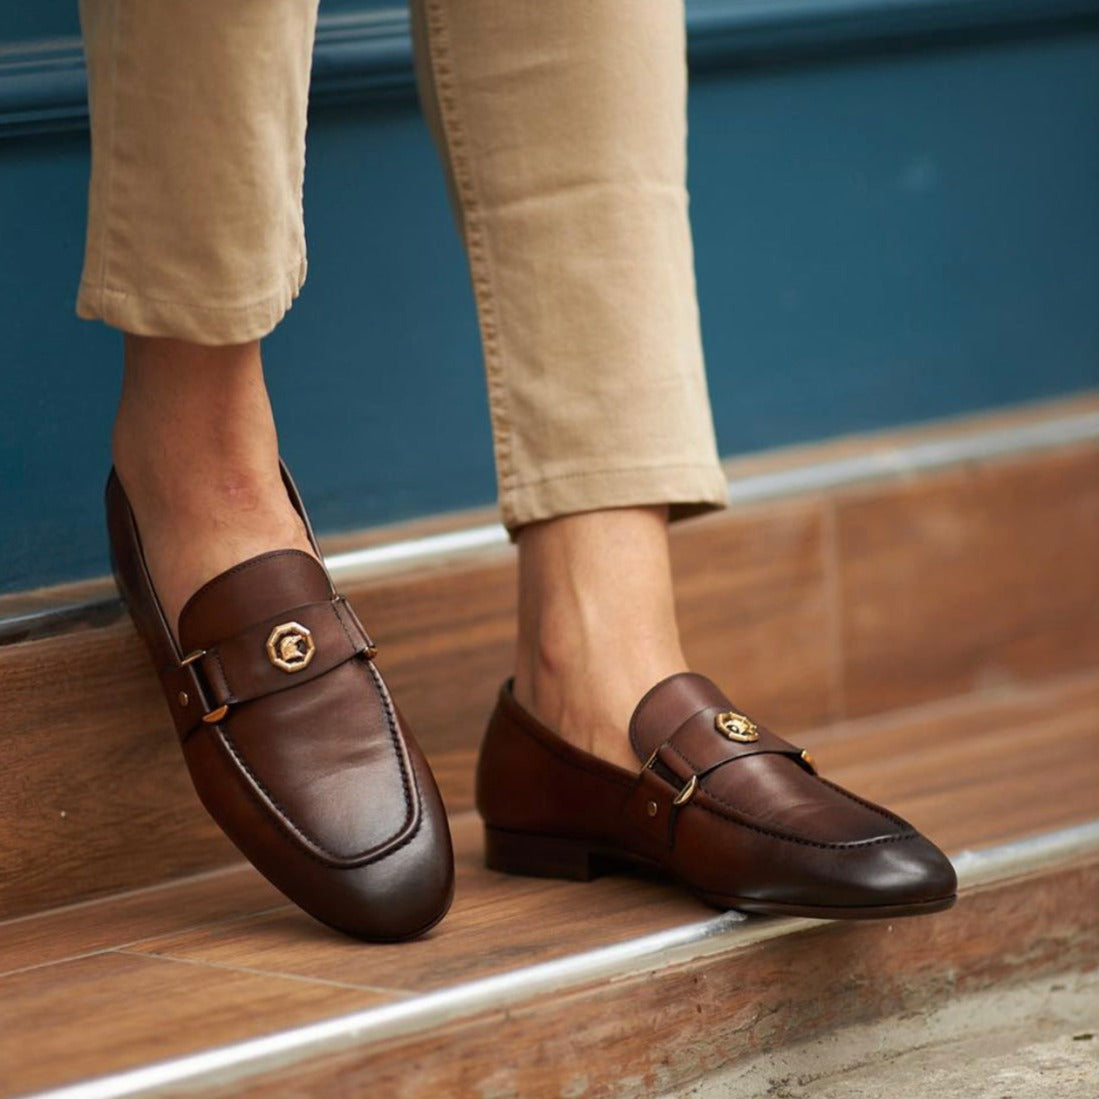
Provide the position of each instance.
(896, 218)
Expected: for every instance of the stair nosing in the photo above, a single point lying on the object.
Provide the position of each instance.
(967, 439)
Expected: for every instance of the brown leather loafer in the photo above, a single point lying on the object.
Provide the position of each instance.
(731, 810)
(292, 740)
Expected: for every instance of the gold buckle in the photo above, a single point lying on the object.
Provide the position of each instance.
(683, 796)
(214, 716)
(736, 727)
(687, 792)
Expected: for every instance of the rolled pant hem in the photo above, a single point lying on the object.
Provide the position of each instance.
(685, 489)
(144, 315)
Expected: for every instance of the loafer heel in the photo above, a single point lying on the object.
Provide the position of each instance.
(539, 856)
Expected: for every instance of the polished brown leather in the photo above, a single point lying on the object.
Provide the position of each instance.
(309, 768)
(747, 825)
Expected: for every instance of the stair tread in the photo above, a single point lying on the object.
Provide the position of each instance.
(975, 772)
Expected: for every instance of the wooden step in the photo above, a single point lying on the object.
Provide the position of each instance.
(534, 987)
(255, 1012)
(851, 579)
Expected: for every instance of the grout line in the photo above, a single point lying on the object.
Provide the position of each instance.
(19, 970)
(129, 894)
(1019, 691)
(718, 934)
(185, 930)
(299, 978)
(220, 921)
(832, 565)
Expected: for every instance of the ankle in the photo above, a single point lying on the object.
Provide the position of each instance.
(194, 433)
(196, 451)
(597, 624)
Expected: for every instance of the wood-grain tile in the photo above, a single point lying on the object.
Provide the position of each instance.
(974, 577)
(660, 1031)
(968, 774)
(116, 921)
(108, 1012)
(971, 771)
(497, 923)
(979, 771)
(954, 581)
(94, 797)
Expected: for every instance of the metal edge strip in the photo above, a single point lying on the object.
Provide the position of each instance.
(917, 457)
(675, 946)
(900, 460)
(889, 461)
(358, 54)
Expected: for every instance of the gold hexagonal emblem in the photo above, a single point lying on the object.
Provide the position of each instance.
(736, 727)
(290, 647)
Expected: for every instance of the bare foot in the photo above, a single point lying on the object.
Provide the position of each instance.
(196, 451)
(597, 624)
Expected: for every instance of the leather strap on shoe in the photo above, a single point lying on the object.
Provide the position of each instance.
(676, 770)
(713, 738)
(281, 652)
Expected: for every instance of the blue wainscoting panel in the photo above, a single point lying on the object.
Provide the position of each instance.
(897, 238)
(896, 217)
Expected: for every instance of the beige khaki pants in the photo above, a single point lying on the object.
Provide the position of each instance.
(562, 128)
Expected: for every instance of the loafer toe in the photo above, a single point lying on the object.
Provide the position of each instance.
(915, 872)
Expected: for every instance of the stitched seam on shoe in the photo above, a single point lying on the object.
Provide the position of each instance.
(738, 820)
(523, 726)
(300, 832)
(224, 678)
(214, 652)
(394, 736)
(831, 785)
(632, 730)
(701, 772)
(270, 556)
(868, 804)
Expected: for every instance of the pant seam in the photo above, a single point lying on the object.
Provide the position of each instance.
(291, 275)
(108, 181)
(605, 470)
(477, 249)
